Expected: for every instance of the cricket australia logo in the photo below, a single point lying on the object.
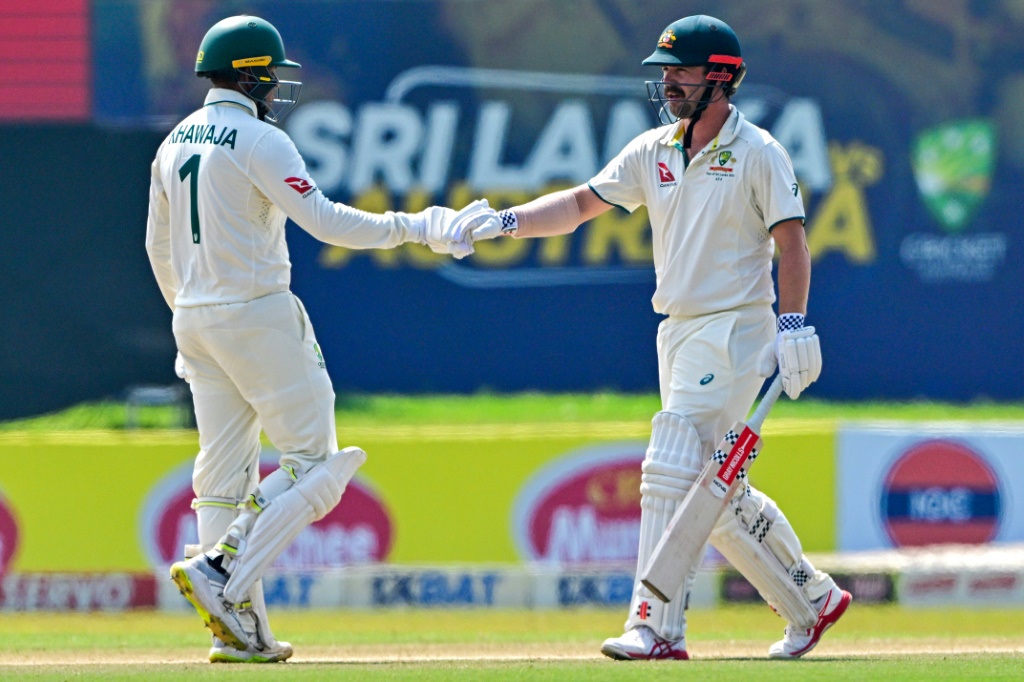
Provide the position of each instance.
(723, 165)
(953, 165)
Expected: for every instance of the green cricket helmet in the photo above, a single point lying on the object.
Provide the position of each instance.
(246, 48)
(698, 40)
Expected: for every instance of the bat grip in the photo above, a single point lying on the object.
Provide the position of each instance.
(770, 396)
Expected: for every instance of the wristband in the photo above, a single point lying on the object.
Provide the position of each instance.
(509, 222)
(790, 322)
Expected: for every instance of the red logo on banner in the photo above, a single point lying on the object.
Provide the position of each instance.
(583, 508)
(664, 174)
(939, 492)
(8, 536)
(358, 531)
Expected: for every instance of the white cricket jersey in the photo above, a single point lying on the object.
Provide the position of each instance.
(711, 218)
(223, 183)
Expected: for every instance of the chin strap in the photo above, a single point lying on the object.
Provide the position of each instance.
(705, 99)
(729, 76)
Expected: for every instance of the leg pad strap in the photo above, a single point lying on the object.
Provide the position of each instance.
(309, 500)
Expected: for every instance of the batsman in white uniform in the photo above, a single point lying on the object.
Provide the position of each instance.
(223, 183)
(721, 195)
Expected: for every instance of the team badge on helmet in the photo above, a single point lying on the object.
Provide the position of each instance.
(697, 40)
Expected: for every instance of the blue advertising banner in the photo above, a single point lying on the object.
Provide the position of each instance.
(914, 485)
(902, 119)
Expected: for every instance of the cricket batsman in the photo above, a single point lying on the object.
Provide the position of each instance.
(721, 194)
(222, 185)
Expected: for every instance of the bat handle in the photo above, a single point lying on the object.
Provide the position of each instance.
(770, 396)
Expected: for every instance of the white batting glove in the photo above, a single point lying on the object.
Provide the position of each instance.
(796, 350)
(507, 224)
(179, 367)
(445, 230)
(429, 226)
(470, 221)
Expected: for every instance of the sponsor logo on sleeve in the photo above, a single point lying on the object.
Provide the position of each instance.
(300, 185)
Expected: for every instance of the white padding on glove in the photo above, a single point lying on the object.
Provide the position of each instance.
(798, 357)
(449, 231)
(179, 367)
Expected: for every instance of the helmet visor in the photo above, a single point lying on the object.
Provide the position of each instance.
(282, 100)
(671, 103)
(274, 97)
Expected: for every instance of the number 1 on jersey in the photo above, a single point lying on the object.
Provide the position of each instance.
(190, 169)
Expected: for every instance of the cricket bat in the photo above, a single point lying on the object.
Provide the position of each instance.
(697, 514)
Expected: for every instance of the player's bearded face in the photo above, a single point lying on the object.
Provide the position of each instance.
(678, 103)
(682, 89)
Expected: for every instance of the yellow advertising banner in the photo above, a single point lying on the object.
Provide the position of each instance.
(119, 501)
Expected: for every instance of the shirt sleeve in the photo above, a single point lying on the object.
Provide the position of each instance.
(776, 191)
(619, 183)
(158, 235)
(278, 170)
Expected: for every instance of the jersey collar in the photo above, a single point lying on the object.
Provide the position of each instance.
(730, 129)
(225, 96)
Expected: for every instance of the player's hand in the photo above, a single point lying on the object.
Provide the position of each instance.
(797, 353)
(468, 222)
(448, 231)
(507, 224)
(179, 367)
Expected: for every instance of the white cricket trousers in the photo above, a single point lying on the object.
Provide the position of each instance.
(707, 368)
(254, 365)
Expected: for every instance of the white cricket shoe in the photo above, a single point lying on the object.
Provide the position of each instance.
(203, 585)
(222, 653)
(642, 644)
(798, 642)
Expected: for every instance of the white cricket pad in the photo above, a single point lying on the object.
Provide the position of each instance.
(756, 538)
(316, 493)
(214, 516)
(683, 541)
(671, 465)
(265, 639)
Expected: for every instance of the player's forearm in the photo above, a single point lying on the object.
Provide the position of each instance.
(342, 225)
(552, 214)
(794, 280)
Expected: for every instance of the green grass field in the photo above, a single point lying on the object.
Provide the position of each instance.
(392, 410)
(870, 643)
